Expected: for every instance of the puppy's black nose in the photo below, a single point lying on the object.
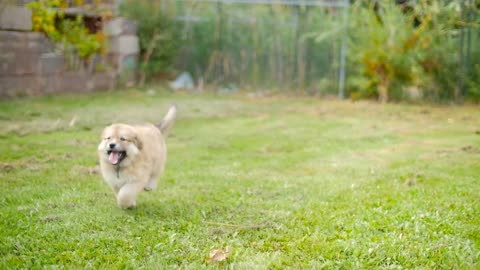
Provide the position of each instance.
(112, 145)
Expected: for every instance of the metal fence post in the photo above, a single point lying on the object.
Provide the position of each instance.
(469, 43)
(461, 56)
(343, 51)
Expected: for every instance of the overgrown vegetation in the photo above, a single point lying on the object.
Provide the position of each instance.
(74, 37)
(158, 36)
(77, 38)
(238, 45)
(406, 51)
(283, 183)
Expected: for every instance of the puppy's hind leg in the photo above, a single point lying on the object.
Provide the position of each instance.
(152, 183)
(115, 189)
(127, 196)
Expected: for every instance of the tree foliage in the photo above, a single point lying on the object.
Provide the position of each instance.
(398, 53)
(157, 34)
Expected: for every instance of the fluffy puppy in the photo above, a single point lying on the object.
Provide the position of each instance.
(132, 158)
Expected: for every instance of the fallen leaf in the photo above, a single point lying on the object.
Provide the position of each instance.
(219, 255)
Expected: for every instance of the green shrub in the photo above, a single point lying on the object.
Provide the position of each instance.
(260, 46)
(72, 34)
(394, 50)
(76, 36)
(159, 40)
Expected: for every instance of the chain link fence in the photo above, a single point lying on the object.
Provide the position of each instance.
(294, 45)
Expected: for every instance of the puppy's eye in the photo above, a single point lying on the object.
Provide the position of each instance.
(108, 138)
(122, 139)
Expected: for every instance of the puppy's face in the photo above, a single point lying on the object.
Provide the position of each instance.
(119, 144)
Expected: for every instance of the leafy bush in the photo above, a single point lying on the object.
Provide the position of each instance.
(159, 40)
(44, 14)
(72, 34)
(76, 36)
(257, 46)
(393, 51)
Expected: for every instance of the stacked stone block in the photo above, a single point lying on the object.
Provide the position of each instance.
(15, 18)
(29, 64)
(123, 48)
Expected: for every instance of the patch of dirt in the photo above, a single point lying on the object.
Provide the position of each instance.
(77, 142)
(411, 181)
(424, 111)
(52, 205)
(31, 165)
(218, 228)
(443, 153)
(6, 168)
(50, 218)
(471, 149)
(218, 146)
(86, 170)
(71, 205)
(218, 255)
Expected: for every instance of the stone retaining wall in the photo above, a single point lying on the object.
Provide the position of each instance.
(29, 64)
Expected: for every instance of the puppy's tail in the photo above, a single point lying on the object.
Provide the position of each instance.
(167, 122)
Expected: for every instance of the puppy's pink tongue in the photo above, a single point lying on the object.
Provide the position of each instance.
(114, 157)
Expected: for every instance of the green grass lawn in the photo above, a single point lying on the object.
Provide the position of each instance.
(283, 183)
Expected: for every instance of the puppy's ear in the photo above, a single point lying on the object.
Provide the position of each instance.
(138, 143)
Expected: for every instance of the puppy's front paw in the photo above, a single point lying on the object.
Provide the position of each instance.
(131, 207)
(126, 197)
(127, 206)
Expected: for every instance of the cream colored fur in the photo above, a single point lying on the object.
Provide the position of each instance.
(144, 162)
